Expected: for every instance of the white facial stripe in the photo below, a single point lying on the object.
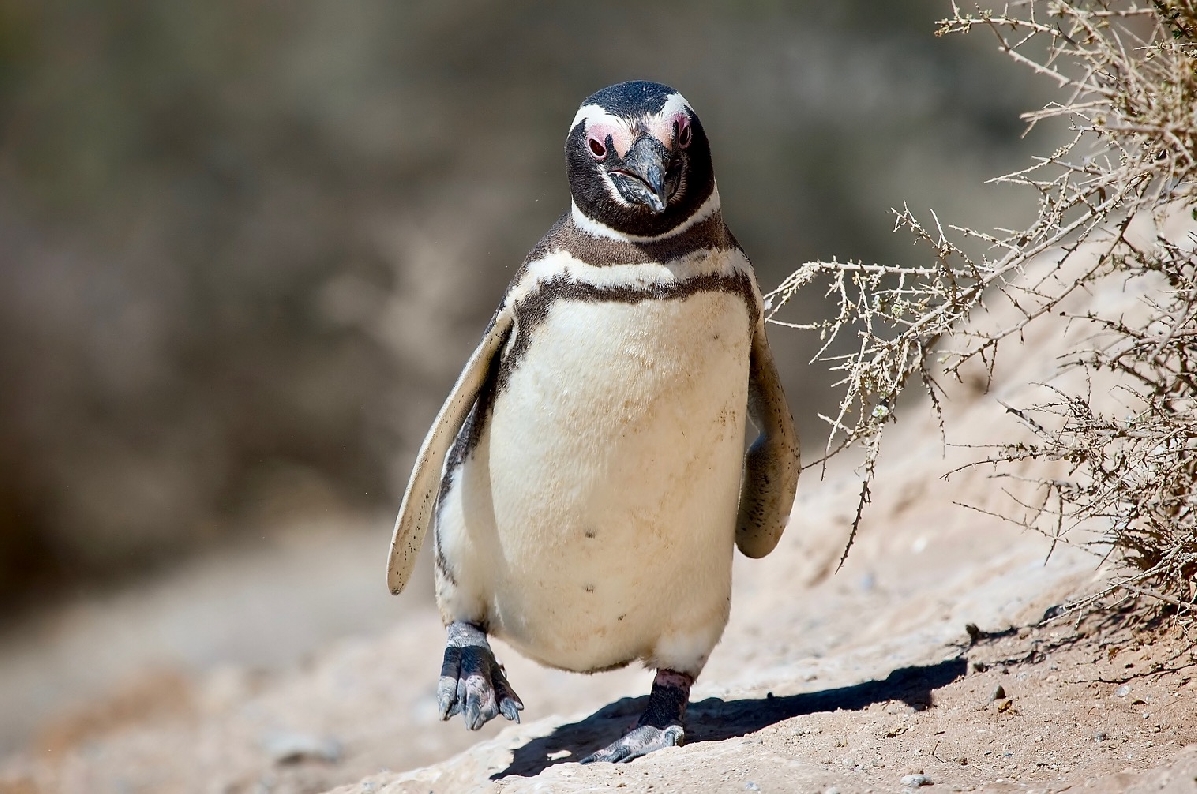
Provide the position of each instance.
(588, 112)
(674, 103)
(591, 226)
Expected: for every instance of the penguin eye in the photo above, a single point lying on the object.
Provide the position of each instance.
(597, 148)
(681, 132)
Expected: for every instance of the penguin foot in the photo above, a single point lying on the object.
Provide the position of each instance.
(641, 741)
(472, 681)
(660, 725)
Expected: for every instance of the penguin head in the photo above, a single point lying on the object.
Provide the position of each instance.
(639, 162)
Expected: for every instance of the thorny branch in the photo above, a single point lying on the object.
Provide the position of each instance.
(1127, 72)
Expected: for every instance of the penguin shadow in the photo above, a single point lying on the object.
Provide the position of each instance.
(715, 719)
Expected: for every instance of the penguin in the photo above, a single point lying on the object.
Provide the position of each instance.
(586, 479)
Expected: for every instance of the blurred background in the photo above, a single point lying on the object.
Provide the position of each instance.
(246, 245)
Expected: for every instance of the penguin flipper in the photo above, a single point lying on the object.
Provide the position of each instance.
(772, 464)
(415, 512)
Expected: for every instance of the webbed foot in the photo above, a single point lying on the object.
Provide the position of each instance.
(641, 741)
(659, 727)
(472, 681)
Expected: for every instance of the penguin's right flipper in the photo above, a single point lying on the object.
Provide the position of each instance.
(415, 513)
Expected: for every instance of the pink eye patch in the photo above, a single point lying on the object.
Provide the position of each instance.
(597, 132)
(673, 130)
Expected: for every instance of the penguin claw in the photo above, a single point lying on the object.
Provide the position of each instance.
(472, 681)
(510, 704)
(639, 742)
(448, 704)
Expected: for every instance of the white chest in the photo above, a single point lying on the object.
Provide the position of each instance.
(614, 467)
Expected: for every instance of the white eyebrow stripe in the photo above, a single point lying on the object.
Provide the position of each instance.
(593, 113)
(674, 103)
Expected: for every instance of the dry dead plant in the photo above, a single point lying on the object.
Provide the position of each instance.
(1127, 77)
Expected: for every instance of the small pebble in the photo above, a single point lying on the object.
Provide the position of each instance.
(832, 790)
(1100, 736)
(999, 692)
(914, 781)
(294, 748)
(750, 786)
(979, 666)
(1122, 691)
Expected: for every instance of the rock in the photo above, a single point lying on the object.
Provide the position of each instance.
(1122, 691)
(294, 748)
(914, 781)
(999, 692)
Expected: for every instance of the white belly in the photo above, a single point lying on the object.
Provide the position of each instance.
(597, 513)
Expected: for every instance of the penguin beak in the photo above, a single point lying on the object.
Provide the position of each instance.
(646, 163)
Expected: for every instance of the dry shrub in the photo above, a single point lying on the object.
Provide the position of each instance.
(1108, 205)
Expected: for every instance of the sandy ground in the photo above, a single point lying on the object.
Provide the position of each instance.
(260, 606)
(861, 679)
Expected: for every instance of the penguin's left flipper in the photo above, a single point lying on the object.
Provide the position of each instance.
(472, 681)
(415, 513)
(772, 463)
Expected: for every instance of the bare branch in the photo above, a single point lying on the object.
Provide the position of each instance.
(1127, 71)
